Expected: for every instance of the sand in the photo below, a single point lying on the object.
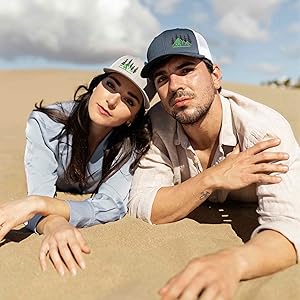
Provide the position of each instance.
(130, 259)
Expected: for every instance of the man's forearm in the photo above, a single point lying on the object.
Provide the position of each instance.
(266, 253)
(176, 202)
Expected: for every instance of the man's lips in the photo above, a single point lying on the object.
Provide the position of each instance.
(103, 111)
(181, 101)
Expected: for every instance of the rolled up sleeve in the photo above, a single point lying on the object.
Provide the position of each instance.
(40, 160)
(279, 204)
(107, 205)
(154, 172)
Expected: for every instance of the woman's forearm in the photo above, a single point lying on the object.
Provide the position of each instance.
(46, 206)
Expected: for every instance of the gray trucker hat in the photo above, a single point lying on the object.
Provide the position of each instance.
(178, 41)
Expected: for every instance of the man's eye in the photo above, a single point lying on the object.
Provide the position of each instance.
(186, 70)
(161, 79)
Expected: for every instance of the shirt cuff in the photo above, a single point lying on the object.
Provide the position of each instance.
(81, 213)
(140, 206)
(32, 223)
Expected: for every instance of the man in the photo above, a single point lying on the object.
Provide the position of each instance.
(208, 144)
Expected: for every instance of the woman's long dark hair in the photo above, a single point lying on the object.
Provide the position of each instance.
(122, 143)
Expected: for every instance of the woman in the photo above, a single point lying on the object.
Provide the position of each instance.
(89, 145)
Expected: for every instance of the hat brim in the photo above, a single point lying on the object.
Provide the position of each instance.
(145, 96)
(148, 68)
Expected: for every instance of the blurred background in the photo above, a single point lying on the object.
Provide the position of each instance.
(254, 41)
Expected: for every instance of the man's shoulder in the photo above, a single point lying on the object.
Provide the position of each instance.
(249, 107)
(256, 121)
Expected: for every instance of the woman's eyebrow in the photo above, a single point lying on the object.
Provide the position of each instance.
(134, 96)
(116, 80)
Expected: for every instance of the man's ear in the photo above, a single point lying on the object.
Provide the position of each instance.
(216, 76)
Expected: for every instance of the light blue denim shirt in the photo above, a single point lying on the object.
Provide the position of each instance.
(46, 159)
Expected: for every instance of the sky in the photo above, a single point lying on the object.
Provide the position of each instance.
(253, 41)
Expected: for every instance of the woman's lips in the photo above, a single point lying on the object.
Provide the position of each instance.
(103, 111)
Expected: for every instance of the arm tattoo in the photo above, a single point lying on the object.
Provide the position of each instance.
(204, 195)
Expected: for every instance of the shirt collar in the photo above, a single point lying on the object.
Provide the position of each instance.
(180, 137)
(227, 137)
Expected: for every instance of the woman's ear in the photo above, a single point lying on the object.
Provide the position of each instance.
(216, 76)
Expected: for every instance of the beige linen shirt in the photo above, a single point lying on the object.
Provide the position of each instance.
(172, 160)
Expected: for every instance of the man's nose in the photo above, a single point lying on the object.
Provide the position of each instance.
(174, 82)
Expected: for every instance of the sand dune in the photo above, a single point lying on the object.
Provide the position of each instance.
(130, 259)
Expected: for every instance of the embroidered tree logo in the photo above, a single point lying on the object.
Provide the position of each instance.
(181, 41)
(128, 66)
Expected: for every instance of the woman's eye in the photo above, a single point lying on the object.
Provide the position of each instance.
(129, 101)
(110, 85)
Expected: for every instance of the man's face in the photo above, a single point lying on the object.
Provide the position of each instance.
(186, 88)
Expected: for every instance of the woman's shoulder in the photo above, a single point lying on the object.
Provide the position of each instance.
(61, 107)
(44, 120)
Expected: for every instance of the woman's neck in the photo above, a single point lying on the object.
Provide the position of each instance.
(96, 135)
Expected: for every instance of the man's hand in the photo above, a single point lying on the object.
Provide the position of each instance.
(238, 170)
(14, 213)
(64, 244)
(241, 169)
(212, 277)
(216, 276)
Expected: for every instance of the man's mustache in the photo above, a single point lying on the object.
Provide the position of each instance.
(178, 94)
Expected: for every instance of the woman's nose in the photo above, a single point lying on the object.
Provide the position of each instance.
(113, 100)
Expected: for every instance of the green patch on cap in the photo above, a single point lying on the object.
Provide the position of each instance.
(180, 43)
(128, 66)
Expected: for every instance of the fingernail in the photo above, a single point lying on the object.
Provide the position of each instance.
(73, 272)
(286, 156)
(82, 265)
(61, 272)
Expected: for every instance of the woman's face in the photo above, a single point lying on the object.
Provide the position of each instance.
(115, 101)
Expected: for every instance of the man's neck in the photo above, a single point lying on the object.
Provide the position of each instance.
(204, 134)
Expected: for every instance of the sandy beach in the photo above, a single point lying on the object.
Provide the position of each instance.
(130, 259)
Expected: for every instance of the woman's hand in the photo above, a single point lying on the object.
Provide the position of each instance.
(254, 165)
(14, 213)
(64, 244)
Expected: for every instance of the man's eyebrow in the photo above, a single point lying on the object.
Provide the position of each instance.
(185, 64)
(158, 73)
(182, 65)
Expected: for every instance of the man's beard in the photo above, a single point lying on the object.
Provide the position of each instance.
(191, 115)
